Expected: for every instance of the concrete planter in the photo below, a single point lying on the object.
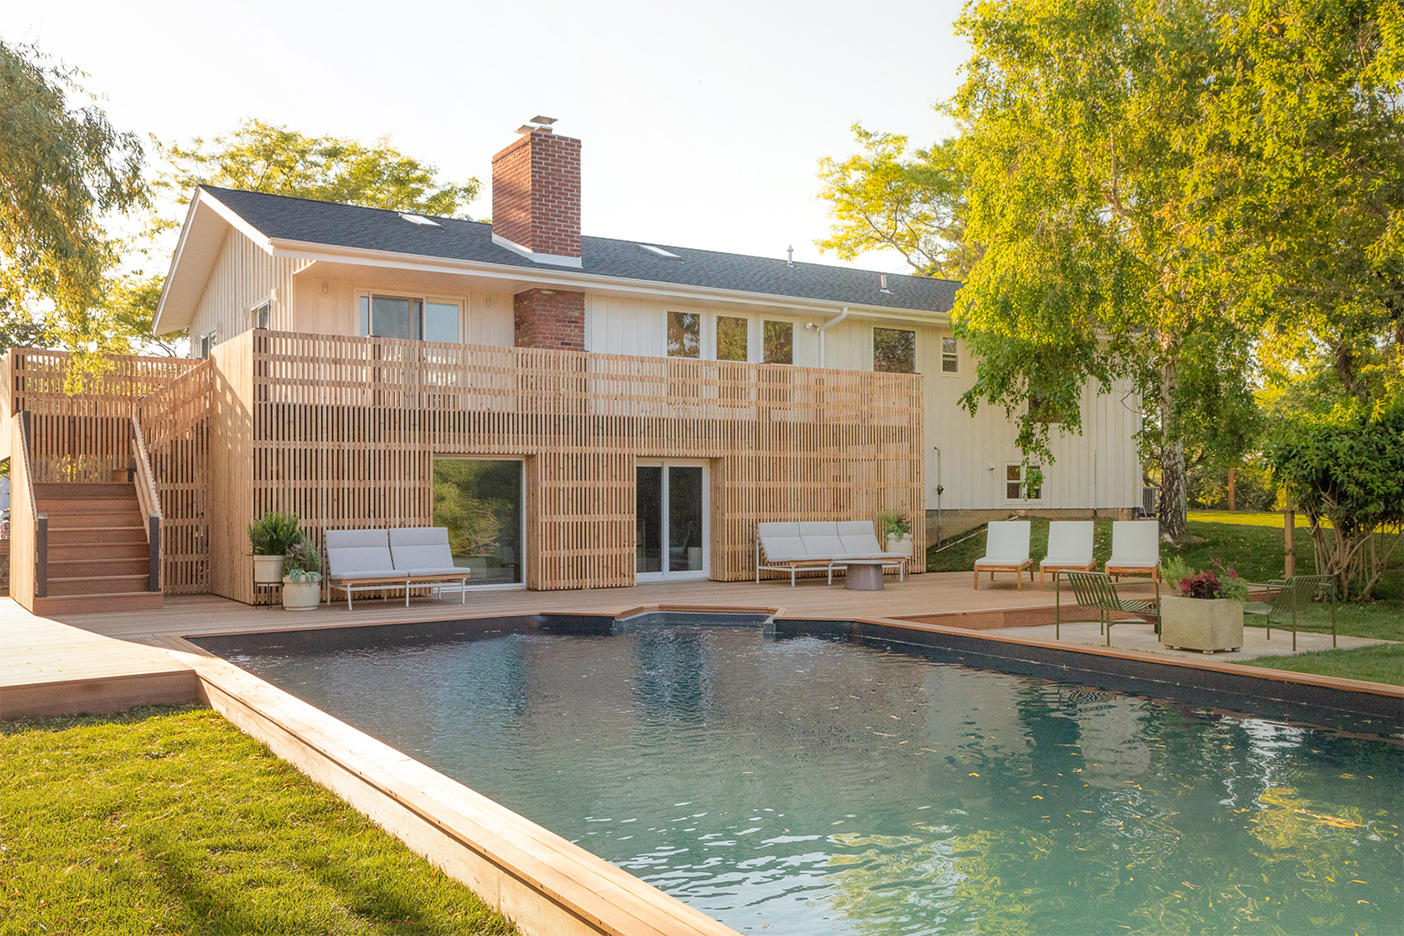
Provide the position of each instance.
(1201, 624)
(301, 596)
(268, 570)
(901, 545)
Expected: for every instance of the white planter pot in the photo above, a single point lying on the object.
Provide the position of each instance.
(301, 596)
(268, 570)
(1201, 624)
(901, 546)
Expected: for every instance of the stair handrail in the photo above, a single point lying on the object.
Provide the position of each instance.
(150, 501)
(29, 529)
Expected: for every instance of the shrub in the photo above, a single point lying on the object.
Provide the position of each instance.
(274, 534)
(1218, 582)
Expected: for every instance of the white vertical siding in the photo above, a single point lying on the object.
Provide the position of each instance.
(327, 306)
(628, 325)
(244, 276)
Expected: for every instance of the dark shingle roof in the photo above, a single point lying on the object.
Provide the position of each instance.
(299, 219)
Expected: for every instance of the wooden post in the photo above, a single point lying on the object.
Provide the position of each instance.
(1289, 530)
(1230, 491)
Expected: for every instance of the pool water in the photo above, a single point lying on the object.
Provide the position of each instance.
(807, 786)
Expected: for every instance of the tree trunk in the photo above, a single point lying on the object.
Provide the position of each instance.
(1174, 503)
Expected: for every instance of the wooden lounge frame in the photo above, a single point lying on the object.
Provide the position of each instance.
(1055, 569)
(993, 567)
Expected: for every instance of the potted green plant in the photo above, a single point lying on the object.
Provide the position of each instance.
(896, 529)
(1207, 614)
(271, 537)
(302, 576)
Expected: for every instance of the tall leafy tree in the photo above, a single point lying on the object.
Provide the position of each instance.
(886, 198)
(262, 157)
(62, 169)
(1079, 122)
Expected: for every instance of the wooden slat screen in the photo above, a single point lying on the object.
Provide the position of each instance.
(343, 431)
(174, 422)
(83, 436)
(23, 520)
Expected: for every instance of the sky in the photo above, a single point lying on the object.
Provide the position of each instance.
(702, 124)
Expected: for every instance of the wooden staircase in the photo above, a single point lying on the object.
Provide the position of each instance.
(97, 558)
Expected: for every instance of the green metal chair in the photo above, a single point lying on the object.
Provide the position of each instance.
(1097, 591)
(1291, 598)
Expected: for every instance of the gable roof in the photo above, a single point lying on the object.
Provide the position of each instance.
(300, 221)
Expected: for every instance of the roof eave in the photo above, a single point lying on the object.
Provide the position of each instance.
(306, 250)
(190, 270)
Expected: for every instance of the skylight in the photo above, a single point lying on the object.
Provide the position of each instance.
(660, 252)
(419, 219)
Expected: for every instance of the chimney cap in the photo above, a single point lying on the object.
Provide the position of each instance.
(537, 124)
(543, 121)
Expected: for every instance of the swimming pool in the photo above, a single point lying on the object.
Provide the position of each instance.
(807, 785)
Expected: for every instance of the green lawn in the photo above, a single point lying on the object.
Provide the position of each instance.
(1382, 664)
(169, 820)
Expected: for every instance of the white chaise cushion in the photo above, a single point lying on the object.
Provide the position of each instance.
(1135, 544)
(1006, 544)
(423, 551)
(771, 528)
(1069, 543)
(859, 540)
(783, 548)
(823, 545)
(359, 554)
(808, 528)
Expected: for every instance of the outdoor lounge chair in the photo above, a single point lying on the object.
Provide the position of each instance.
(363, 561)
(1097, 591)
(1006, 550)
(1135, 549)
(1069, 549)
(1291, 598)
(423, 554)
(819, 546)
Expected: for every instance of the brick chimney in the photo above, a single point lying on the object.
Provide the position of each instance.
(536, 195)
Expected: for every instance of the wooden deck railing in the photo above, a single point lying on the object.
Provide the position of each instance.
(150, 503)
(172, 424)
(29, 529)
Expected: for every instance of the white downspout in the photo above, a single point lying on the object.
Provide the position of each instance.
(825, 327)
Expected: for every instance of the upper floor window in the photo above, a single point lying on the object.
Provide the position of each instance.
(684, 334)
(1017, 482)
(779, 342)
(894, 350)
(410, 317)
(207, 341)
(950, 360)
(732, 338)
(262, 316)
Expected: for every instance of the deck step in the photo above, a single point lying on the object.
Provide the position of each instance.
(68, 552)
(82, 604)
(127, 518)
(98, 584)
(73, 536)
(97, 565)
(104, 506)
(59, 489)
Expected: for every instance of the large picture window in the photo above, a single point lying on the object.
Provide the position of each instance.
(779, 342)
(894, 350)
(480, 501)
(410, 317)
(731, 338)
(684, 334)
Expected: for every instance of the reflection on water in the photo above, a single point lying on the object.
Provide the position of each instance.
(805, 786)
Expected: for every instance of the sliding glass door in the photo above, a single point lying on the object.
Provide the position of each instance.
(671, 504)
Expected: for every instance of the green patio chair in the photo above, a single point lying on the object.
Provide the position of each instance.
(1096, 590)
(1291, 598)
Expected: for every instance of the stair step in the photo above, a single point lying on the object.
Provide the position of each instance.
(82, 604)
(97, 585)
(54, 489)
(94, 505)
(99, 551)
(127, 519)
(78, 536)
(89, 566)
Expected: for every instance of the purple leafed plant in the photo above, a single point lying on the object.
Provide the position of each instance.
(1218, 582)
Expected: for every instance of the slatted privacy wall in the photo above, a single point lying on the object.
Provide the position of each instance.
(343, 432)
(174, 422)
(86, 435)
